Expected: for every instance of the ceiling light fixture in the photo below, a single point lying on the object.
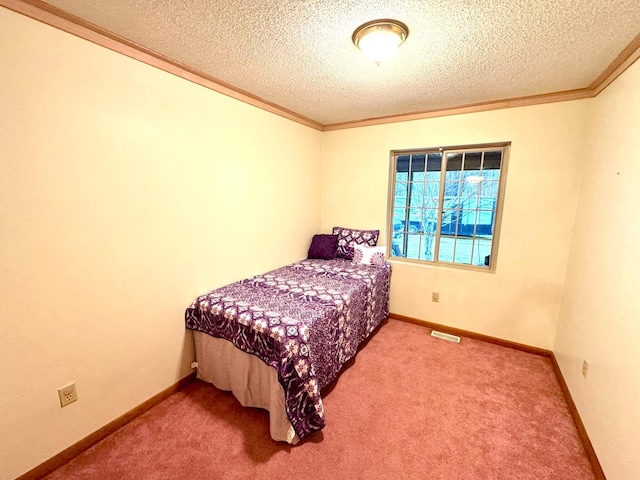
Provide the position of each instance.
(379, 39)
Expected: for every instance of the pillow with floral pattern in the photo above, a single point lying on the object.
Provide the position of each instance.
(348, 237)
(369, 255)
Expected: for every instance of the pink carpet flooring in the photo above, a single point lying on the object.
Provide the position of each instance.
(410, 407)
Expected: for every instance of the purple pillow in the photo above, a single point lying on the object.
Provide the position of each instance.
(323, 246)
(349, 236)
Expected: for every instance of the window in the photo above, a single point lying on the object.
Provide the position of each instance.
(445, 205)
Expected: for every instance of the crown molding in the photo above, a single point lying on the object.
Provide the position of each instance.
(471, 108)
(624, 60)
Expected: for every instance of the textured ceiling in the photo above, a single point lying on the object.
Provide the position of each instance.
(298, 54)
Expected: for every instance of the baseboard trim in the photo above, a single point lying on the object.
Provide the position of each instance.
(93, 438)
(476, 336)
(582, 431)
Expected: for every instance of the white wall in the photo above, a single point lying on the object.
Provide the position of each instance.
(600, 315)
(124, 193)
(521, 301)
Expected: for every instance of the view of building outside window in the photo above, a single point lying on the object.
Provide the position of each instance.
(445, 205)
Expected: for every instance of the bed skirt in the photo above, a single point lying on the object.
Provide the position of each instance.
(252, 382)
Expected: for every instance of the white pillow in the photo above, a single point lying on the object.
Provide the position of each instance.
(365, 255)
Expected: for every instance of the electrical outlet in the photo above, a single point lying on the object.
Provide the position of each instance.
(585, 368)
(67, 394)
(435, 297)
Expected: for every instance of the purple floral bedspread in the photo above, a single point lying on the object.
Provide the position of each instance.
(305, 320)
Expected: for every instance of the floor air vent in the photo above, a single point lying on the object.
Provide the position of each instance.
(445, 336)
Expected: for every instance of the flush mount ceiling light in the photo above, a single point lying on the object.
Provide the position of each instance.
(379, 39)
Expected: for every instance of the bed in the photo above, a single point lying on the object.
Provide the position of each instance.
(276, 340)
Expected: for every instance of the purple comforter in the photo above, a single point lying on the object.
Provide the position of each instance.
(305, 320)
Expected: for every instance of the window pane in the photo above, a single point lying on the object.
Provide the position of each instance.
(472, 161)
(467, 223)
(445, 254)
(492, 160)
(413, 245)
(415, 220)
(402, 165)
(417, 164)
(489, 189)
(449, 221)
(485, 222)
(401, 189)
(400, 196)
(454, 162)
(429, 220)
(469, 202)
(469, 195)
(472, 179)
(463, 251)
(453, 176)
(427, 247)
(433, 176)
(397, 245)
(416, 195)
(452, 190)
(491, 175)
(399, 214)
(434, 164)
(482, 248)
(400, 202)
(431, 194)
